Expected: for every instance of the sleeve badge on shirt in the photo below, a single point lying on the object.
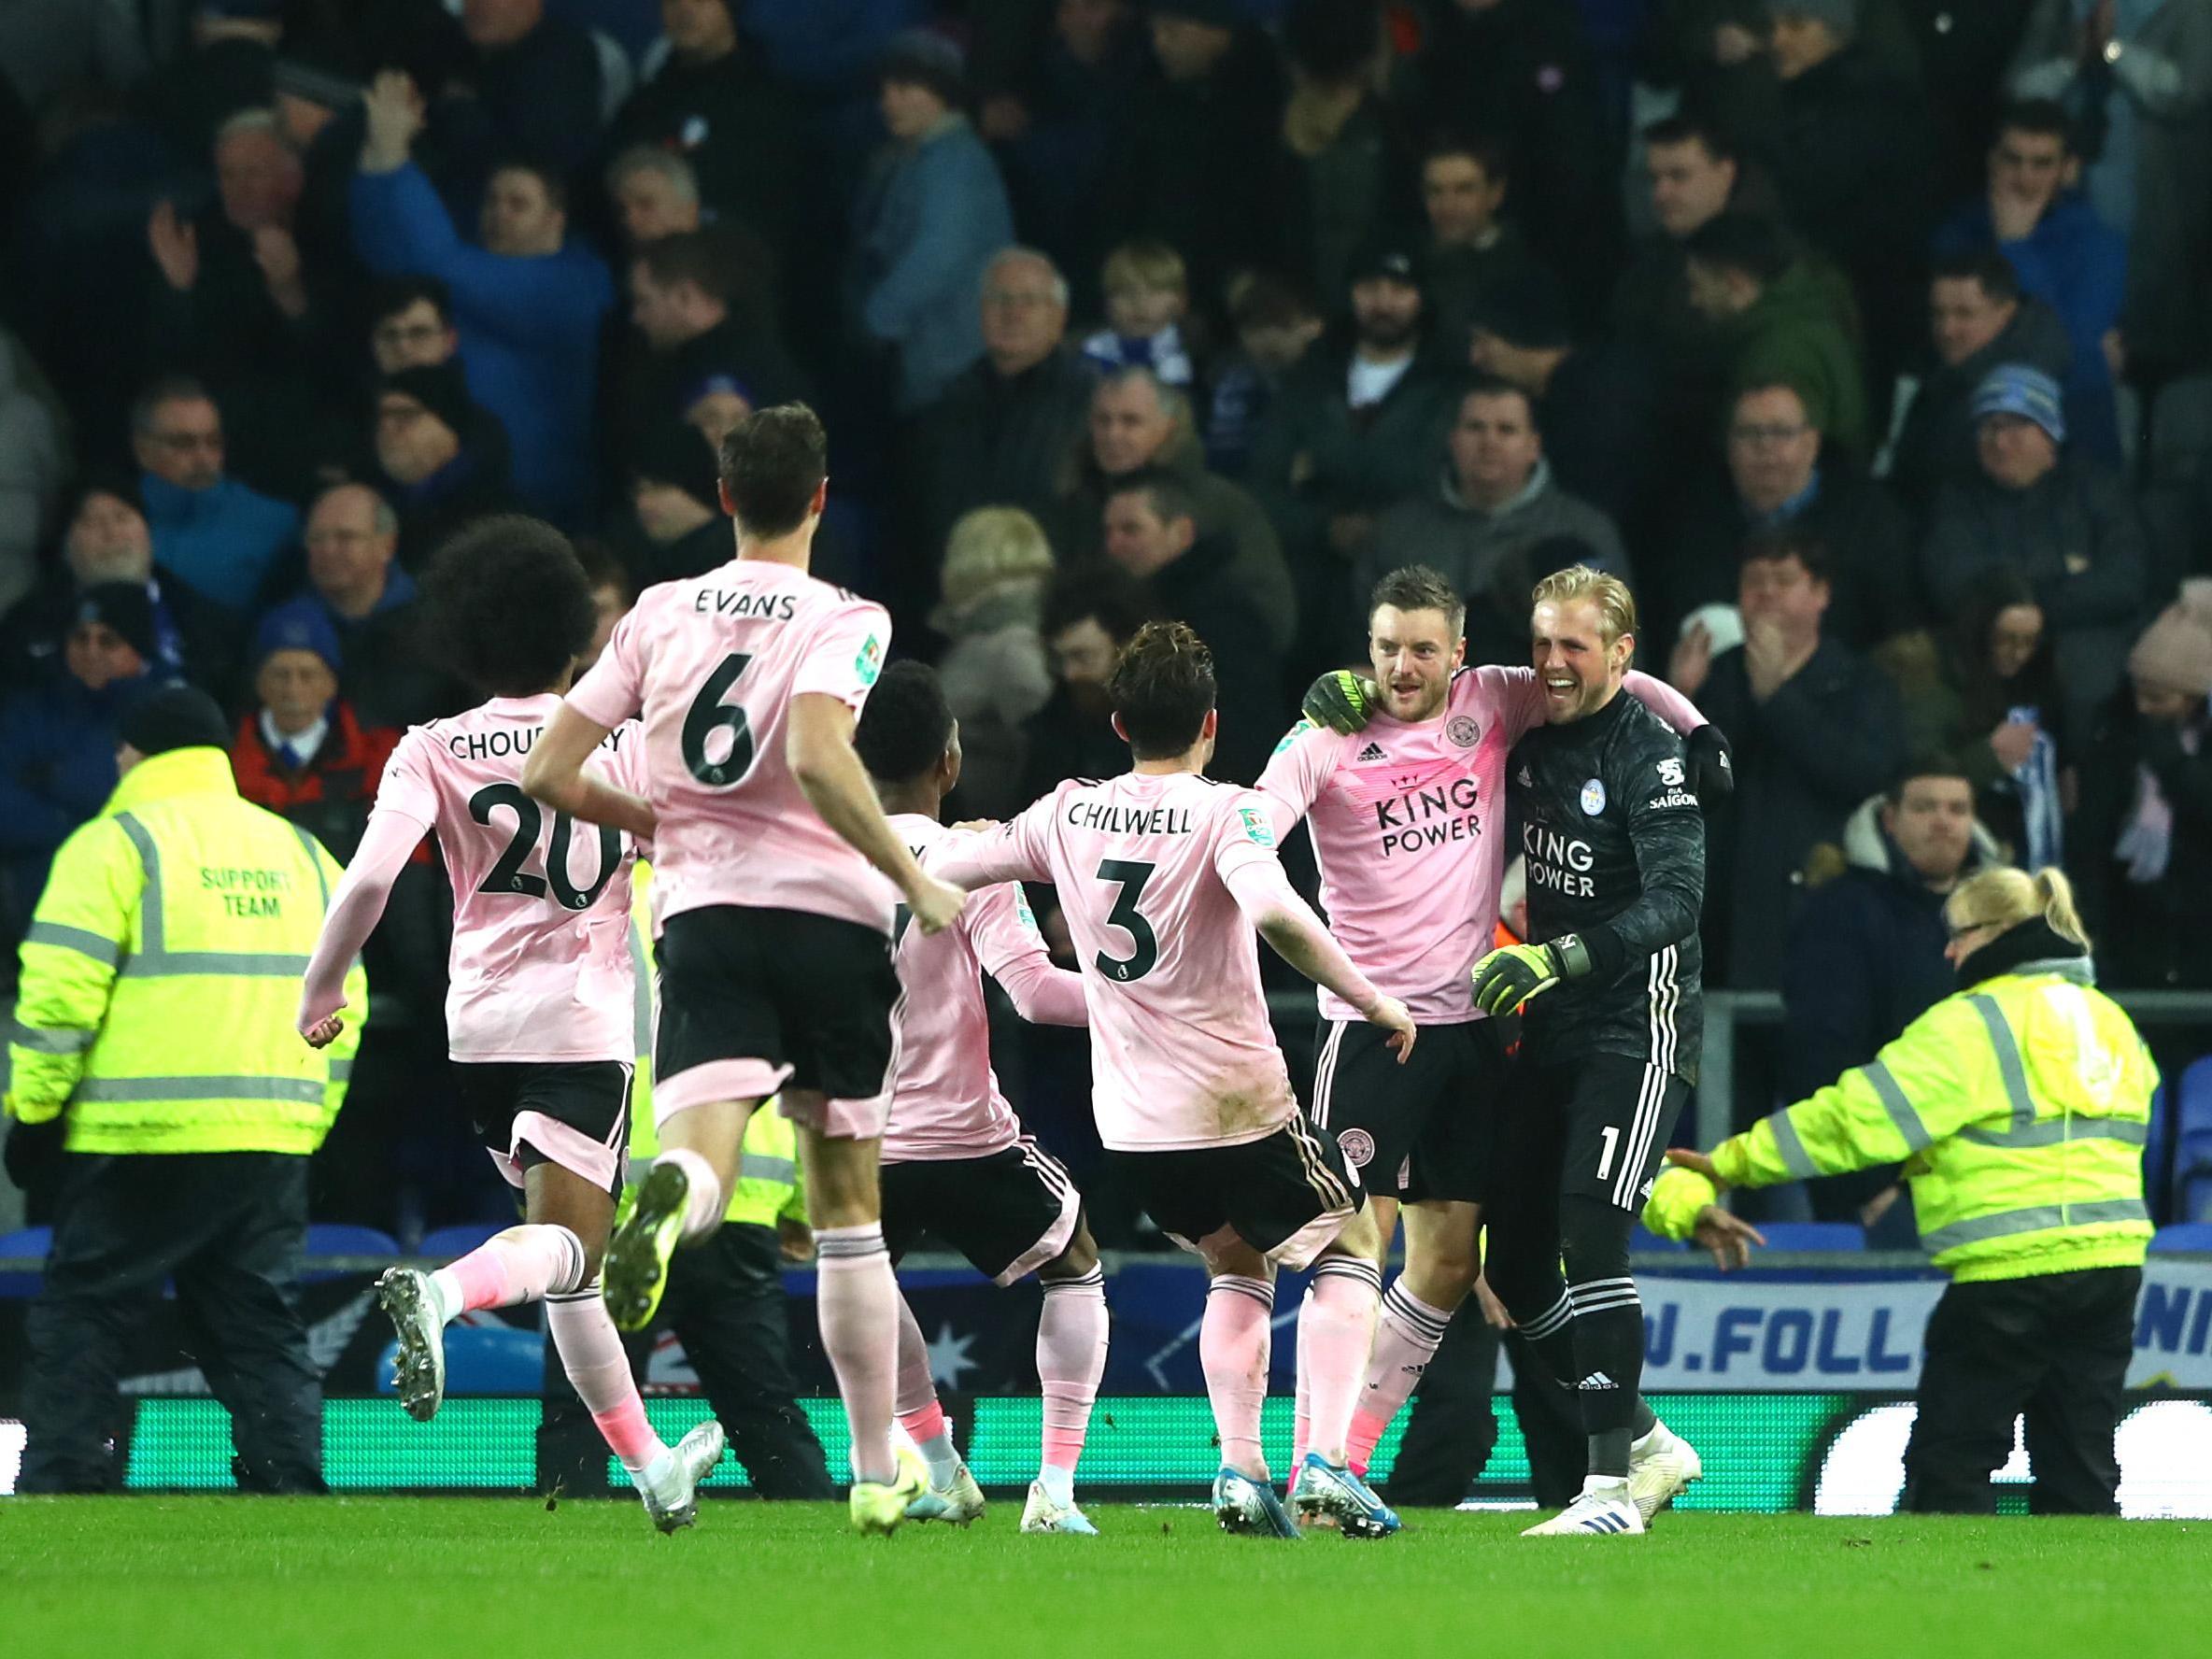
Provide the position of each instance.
(1022, 913)
(1257, 830)
(870, 664)
(1592, 798)
(1671, 773)
(1292, 736)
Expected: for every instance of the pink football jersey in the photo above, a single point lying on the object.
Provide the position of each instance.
(540, 967)
(713, 664)
(1181, 1053)
(1407, 820)
(945, 1102)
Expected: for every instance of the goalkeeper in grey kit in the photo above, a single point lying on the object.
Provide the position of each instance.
(1614, 844)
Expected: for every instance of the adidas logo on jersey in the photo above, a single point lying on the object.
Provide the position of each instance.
(1373, 752)
(1597, 1381)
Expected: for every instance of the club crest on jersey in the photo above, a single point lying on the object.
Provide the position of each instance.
(1357, 1146)
(1257, 830)
(1592, 798)
(1463, 730)
(1373, 752)
(870, 664)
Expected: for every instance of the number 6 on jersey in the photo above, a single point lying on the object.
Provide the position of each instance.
(708, 715)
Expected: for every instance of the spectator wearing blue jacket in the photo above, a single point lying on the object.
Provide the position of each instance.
(527, 302)
(2064, 255)
(928, 219)
(58, 738)
(211, 532)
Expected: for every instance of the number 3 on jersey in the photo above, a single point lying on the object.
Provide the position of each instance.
(708, 715)
(1130, 875)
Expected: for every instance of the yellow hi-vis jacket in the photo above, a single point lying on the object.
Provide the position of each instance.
(161, 974)
(2019, 1108)
(768, 1183)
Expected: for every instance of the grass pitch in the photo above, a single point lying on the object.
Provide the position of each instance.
(480, 1577)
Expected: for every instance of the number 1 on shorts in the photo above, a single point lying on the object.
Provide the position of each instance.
(1605, 1159)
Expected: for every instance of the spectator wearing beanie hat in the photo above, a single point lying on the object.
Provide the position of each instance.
(2142, 841)
(929, 217)
(2065, 523)
(58, 738)
(441, 456)
(303, 752)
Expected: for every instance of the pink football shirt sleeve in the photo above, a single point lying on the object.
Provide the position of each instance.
(1516, 697)
(1295, 773)
(1013, 952)
(405, 788)
(1014, 851)
(844, 658)
(1244, 832)
(1664, 700)
(613, 689)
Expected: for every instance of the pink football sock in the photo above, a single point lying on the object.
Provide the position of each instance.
(856, 1298)
(1339, 1318)
(1071, 1359)
(591, 1355)
(704, 1202)
(524, 1264)
(1406, 1338)
(1234, 1339)
(919, 1411)
(1301, 1418)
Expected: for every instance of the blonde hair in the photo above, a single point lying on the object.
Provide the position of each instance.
(2004, 899)
(1616, 606)
(1152, 266)
(989, 548)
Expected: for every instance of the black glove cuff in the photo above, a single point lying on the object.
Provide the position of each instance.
(1594, 951)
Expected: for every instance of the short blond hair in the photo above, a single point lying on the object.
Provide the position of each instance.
(1146, 264)
(990, 546)
(1616, 606)
(2004, 899)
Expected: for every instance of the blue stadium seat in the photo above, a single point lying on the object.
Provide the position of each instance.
(2192, 1112)
(2193, 1177)
(340, 1239)
(327, 1239)
(1813, 1235)
(488, 1358)
(2158, 1155)
(2196, 1235)
(445, 1243)
(35, 1241)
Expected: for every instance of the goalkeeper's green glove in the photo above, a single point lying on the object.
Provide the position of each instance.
(1341, 700)
(1516, 975)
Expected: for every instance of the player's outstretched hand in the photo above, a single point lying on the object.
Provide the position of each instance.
(1729, 1238)
(1341, 700)
(1698, 1163)
(1390, 1014)
(1513, 974)
(1713, 769)
(936, 904)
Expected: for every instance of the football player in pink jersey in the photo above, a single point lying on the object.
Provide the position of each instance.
(776, 874)
(1405, 809)
(956, 1163)
(538, 1009)
(1163, 876)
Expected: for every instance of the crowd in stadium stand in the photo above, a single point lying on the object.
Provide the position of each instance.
(1871, 340)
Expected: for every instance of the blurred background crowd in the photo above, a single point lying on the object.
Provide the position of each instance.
(1870, 339)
